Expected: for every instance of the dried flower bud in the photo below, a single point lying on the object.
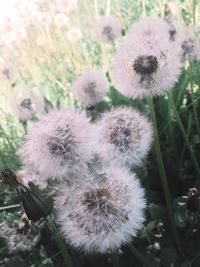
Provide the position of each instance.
(36, 204)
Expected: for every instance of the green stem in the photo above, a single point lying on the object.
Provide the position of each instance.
(195, 109)
(138, 255)
(163, 177)
(115, 259)
(190, 150)
(143, 4)
(59, 241)
(189, 126)
(194, 3)
(171, 132)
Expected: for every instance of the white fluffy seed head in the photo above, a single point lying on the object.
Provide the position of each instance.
(74, 35)
(90, 88)
(124, 135)
(107, 29)
(58, 143)
(61, 20)
(190, 48)
(146, 64)
(103, 213)
(66, 5)
(30, 176)
(8, 72)
(19, 240)
(185, 42)
(26, 103)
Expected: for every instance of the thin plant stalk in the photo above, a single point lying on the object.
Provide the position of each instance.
(190, 150)
(115, 259)
(139, 256)
(10, 207)
(195, 110)
(143, 4)
(188, 133)
(60, 243)
(163, 177)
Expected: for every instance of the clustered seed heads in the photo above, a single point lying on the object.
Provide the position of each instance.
(99, 201)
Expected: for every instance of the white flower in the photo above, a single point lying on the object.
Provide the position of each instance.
(124, 135)
(90, 88)
(147, 63)
(74, 35)
(101, 214)
(61, 20)
(107, 29)
(58, 144)
(26, 103)
(66, 5)
(41, 40)
(8, 72)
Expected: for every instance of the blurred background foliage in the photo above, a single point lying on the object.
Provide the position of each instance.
(45, 57)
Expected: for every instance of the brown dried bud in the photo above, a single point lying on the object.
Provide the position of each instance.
(10, 178)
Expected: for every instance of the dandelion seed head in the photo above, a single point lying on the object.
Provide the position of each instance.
(185, 42)
(124, 135)
(19, 33)
(43, 18)
(146, 64)
(26, 103)
(107, 29)
(17, 238)
(61, 20)
(190, 48)
(41, 40)
(8, 72)
(74, 35)
(102, 214)
(60, 142)
(90, 88)
(66, 5)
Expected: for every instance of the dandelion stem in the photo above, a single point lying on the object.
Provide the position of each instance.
(138, 255)
(115, 259)
(195, 110)
(59, 241)
(163, 176)
(143, 4)
(190, 150)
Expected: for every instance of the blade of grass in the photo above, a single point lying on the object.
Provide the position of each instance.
(163, 177)
(190, 150)
(60, 243)
(138, 255)
(115, 259)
